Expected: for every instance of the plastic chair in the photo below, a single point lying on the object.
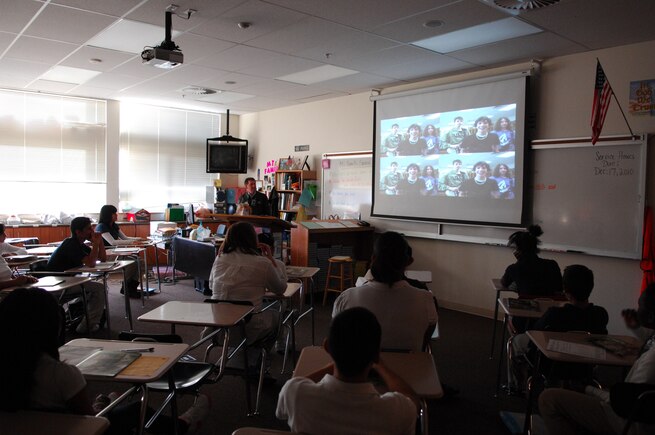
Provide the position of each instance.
(186, 375)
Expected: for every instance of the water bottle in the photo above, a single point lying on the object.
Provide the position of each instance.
(200, 232)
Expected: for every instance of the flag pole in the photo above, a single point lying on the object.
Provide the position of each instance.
(619, 104)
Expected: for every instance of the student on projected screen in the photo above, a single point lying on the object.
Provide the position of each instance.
(453, 140)
(503, 177)
(431, 179)
(483, 141)
(480, 186)
(453, 180)
(390, 146)
(505, 134)
(413, 144)
(391, 180)
(413, 185)
(431, 138)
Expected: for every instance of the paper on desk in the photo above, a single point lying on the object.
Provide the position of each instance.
(330, 224)
(583, 350)
(349, 224)
(144, 366)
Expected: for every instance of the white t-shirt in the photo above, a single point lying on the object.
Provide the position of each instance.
(55, 383)
(5, 271)
(335, 407)
(6, 248)
(238, 276)
(404, 312)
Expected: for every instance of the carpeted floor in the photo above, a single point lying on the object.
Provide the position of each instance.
(461, 354)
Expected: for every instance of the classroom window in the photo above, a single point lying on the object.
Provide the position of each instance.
(53, 153)
(162, 155)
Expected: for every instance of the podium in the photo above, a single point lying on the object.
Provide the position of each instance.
(275, 224)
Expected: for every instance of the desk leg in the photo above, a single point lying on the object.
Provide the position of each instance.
(107, 315)
(86, 310)
(493, 336)
(143, 411)
(536, 377)
(423, 417)
(245, 369)
(128, 307)
(500, 357)
(171, 387)
(157, 266)
(311, 302)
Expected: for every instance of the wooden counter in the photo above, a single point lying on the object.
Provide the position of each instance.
(360, 238)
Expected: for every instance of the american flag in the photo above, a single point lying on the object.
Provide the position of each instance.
(602, 93)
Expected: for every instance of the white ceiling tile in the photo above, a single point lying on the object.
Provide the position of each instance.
(237, 58)
(301, 93)
(226, 97)
(15, 14)
(110, 58)
(345, 45)
(130, 36)
(363, 14)
(115, 8)
(192, 74)
(40, 50)
(281, 65)
(220, 81)
(112, 81)
(135, 67)
(264, 18)
(355, 83)
(270, 87)
(22, 69)
(50, 86)
(455, 16)
(424, 68)
(261, 103)
(153, 12)
(5, 40)
(302, 35)
(92, 92)
(195, 47)
(67, 24)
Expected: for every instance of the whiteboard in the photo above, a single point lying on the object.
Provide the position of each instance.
(587, 199)
(346, 185)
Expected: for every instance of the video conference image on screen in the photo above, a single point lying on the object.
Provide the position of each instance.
(457, 164)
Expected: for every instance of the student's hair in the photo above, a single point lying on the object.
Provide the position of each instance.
(248, 180)
(391, 255)
(2, 228)
(526, 242)
(106, 213)
(425, 130)
(413, 165)
(647, 306)
(497, 127)
(457, 160)
(578, 280)
(497, 170)
(416, 126)
(79, 223)
(395, 125)
(241, 237)
(435, 172)
(394, 163)
(354, 340)
(29, 327)
(485, 119)
(461, 118)
(481, 163)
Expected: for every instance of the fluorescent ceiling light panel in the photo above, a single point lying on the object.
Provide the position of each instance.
(67, 74)
(481, 34)
(130, 36)
(319, 74)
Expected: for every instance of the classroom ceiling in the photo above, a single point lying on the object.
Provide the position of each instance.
(351, 46)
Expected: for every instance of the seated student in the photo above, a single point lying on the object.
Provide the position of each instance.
(338, 399)
(577, 315)
(7, 278)
(113, 236)
(33, 377)
(407, 314)
(570, 412)
(530, 276)
(5, 248)
(74, 253)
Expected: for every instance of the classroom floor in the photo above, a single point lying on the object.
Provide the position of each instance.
(461, 354)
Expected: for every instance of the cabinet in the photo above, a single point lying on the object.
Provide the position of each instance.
(289, 185)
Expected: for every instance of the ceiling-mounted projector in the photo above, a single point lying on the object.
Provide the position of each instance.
(166, 55)
(162, 58)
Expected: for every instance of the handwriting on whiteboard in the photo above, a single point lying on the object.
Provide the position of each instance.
(613, 164)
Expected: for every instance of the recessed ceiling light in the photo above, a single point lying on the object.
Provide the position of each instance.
(318, 74)
(244, 25)
(95, 60)
(481, 34)
(67, 74)
(230, 82)
(433, 23)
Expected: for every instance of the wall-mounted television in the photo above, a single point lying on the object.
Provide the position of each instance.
(227, 155)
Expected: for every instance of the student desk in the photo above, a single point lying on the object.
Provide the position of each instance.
(291, 319)
(498, 287)
(135, 251)
(169, 353)
(305, 275)
(504, 303)
(33, 422)
(415, 368)
(581, 351)
(105, 269)
(41, 250)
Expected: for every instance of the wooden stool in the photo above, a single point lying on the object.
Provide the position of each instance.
(339, 268)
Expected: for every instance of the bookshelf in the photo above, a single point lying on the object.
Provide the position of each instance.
(289, 185)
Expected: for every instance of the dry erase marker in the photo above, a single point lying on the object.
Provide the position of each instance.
(143, 349)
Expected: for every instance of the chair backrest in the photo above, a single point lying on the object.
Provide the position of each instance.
(193, 257)
(149, 336)
(39, 265)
